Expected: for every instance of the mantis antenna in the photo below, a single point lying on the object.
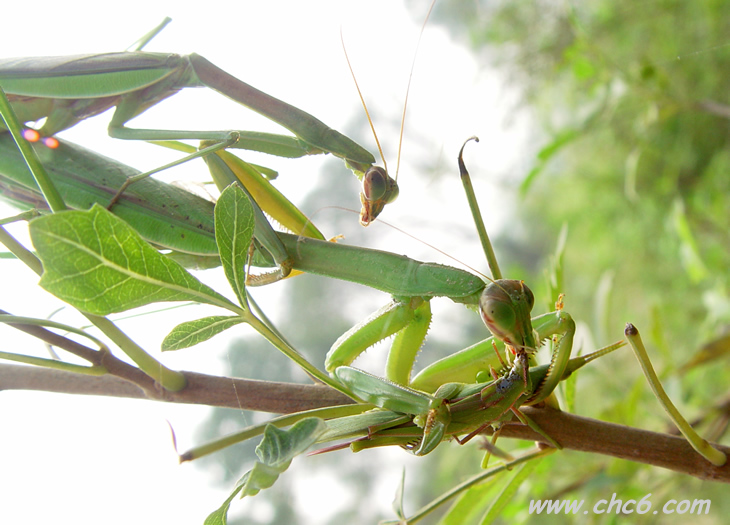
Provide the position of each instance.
(378, 187)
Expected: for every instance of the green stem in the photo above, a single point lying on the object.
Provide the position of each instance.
(477, 215)
(23, 216)
(50, 193)
(94, 370)
(168, 379)
(20, 251)
(279, 422)
(291, 353)
(698, 443)
(17, 319)
(479, 478)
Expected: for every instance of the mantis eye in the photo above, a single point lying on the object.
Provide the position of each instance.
(503, 306)
(528, 295)
(497, 311)
(377, 185)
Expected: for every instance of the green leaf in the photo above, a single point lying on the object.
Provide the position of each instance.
(469, 507)
(96, 262)
(275, 452)
(508, 491)
(545, 154)
(689, 252)
(234, 226)
(191, 333)
(398, 499)
(281, 446)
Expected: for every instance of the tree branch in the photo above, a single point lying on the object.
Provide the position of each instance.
(202, 389)
(590, 435)
(571, 431)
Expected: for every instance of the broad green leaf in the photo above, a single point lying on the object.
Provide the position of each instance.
(234, 226)
(191, 333)
(96, 262)
(275, 452)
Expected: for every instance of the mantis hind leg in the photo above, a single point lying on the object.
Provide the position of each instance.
(232, 139)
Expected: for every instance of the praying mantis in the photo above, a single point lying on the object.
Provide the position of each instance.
(67, 90)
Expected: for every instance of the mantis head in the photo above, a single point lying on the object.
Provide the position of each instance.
(378, 189)
(505, 306)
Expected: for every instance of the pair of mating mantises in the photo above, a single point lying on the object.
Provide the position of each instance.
(458, 396)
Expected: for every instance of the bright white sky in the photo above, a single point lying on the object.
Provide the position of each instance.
(92, 460)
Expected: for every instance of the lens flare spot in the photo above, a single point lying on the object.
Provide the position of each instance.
(31, 135)
(51, 142)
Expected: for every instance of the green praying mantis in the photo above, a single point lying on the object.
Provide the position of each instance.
(68, 89)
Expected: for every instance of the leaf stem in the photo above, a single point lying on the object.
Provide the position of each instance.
(168, 379)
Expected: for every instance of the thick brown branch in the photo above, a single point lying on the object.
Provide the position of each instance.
(263, 396)
(589, 435)
(113, 365)
(571, 431)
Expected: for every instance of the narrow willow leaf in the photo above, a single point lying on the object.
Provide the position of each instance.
(96, 262)
(508, 491)
(275, 452)
(545, 154)
(191, 333)
(234, 226)
(398, 499)
(468, 508)
(689, 252)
